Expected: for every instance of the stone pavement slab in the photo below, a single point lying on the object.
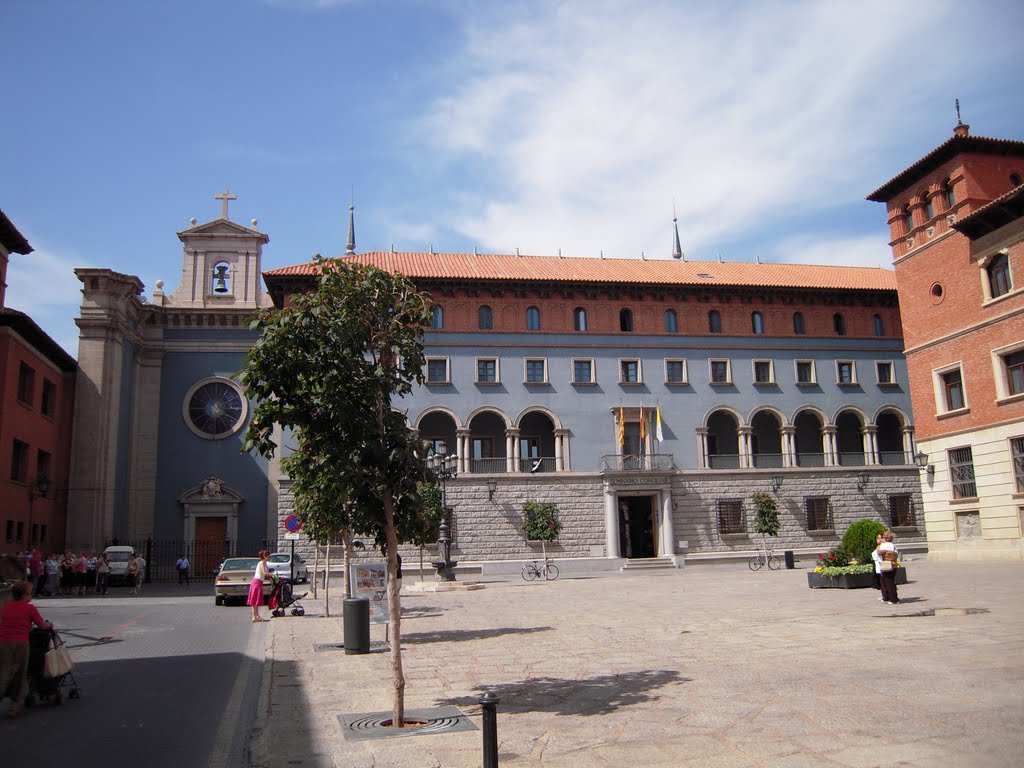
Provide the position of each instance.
(706, 666)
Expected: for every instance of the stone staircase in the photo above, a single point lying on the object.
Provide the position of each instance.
(649, 564)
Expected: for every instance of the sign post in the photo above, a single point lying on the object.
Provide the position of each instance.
(292, 526)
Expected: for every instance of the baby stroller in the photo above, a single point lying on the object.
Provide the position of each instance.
(42, 687)
(282, 598)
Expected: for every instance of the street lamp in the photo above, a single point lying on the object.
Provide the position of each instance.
(37, 491)
(444, 468)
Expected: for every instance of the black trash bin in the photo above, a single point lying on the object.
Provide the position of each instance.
(788, 554)
(357, 625)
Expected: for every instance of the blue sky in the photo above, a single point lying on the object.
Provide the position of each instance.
(542, 126)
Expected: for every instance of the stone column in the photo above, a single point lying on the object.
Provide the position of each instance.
(870, 434)
(788, 445)
(668, 544)
(829, 445)
(462, 437)
(746, 459)
(561, 452)
(908, 446)
(611, 523)
(702, 448)
(512, 451)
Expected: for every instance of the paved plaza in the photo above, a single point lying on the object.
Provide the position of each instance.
(706, 666)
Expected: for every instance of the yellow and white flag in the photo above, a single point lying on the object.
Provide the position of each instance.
(657, 425)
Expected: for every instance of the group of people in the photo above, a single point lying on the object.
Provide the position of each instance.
(70, 574)
(885, 558)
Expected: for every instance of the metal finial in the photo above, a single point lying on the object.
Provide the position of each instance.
(677, 249)
(958, 120)
(350, 246)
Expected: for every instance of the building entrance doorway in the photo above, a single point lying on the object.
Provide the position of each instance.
(637, 529)
(209, 545)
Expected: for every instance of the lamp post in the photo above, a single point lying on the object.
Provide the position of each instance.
(444, 469)
(37, 491)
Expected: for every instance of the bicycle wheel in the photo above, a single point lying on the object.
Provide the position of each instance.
(774, 563)
(755, 562)
(530, 572)
(552, 572)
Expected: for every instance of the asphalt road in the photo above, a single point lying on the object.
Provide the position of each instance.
(166, 678)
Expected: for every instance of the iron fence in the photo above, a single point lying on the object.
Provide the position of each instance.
(204, 557)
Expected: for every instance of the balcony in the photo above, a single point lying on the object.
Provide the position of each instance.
(656, 462)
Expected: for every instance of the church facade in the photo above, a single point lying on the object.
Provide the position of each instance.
(647, 399)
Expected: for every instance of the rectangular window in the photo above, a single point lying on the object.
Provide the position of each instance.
(486, 370)
(805, 372)
(20, 535)
(884, 372)
(846, 372)
(763, 372)
(10, 530)
(675, 371)
(536, 370)
(1017, 454)
(44, 466)
(19, 462)
(629, 372)
(901, 510)
(437, 370)
(48, 402)
(953, 390)
(961, 473)
(730, 516)
(1014, 364)
(42, 533)
(26, 384)
(719, 371)
(34, 533)
(438, 445)
(582, 371)
(819, 513)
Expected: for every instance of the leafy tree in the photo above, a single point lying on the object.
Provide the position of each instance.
(859, 539)
(327, 367)
(540, 522)
(766, 518)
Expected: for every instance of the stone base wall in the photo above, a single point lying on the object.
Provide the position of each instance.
(490, 530)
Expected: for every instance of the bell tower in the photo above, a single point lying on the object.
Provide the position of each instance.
(220, 264)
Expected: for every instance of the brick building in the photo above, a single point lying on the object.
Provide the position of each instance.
(37, 385)
(956, 228)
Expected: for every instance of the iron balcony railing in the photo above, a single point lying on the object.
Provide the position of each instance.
(652, 462)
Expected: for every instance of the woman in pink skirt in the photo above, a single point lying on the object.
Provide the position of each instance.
(256, 588)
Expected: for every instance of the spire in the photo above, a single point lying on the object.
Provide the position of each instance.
(677, 249)
(962, 129)
(350, 246)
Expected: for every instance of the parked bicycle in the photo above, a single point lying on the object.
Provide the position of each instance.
(548, 571)
(760, 560)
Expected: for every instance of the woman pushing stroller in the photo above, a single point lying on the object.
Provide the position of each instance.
(16, 619)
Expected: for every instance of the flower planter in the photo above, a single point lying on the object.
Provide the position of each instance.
(849, 580)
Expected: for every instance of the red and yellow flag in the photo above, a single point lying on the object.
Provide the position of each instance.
(622, 427)
(643, 427)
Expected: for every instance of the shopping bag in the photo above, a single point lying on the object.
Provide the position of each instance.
(57, 661)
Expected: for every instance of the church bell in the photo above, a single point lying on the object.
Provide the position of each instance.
(220, 281)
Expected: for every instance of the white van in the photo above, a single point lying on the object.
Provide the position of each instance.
(118, 558)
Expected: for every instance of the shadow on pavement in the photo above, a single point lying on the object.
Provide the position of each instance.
(458, 635)
(566, 696)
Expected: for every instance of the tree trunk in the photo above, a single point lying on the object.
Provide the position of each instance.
(394, 613)
(327, 582)
(346, 564)
(316, 566)
(764, 543)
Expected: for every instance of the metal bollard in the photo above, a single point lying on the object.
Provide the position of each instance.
(489, 702)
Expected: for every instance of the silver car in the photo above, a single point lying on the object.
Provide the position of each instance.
(281, 564)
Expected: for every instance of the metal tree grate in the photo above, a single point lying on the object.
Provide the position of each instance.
(371, 725)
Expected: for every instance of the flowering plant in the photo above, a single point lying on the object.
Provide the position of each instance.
(834, 558)
(843, 570)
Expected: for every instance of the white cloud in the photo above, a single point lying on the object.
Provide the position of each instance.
(43, 286)
(582, 122)
(865, 251)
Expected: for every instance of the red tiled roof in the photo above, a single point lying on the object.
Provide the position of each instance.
(469, 266)
(957, 145)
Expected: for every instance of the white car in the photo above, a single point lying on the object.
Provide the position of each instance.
(281, 564)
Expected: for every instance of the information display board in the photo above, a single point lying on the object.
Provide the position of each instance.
(370, 580)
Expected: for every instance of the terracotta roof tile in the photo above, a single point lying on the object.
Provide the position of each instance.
(468, 266)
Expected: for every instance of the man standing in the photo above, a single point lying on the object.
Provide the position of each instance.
(182, 566)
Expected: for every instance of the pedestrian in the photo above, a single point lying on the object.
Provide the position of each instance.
(261, 574)
(81, 573)
(36, 571)
(142, 574)
(16, 619)
(182, 566)
(102, 573)
(67, 573)
(90, 573)
(132, 574)
(52, 566)
(887, 568)
(876, 558)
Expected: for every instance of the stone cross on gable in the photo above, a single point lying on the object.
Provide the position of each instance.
(224, 197)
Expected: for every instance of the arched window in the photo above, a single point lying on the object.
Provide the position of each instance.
(714, 322)
(626, 320)
(798, 324)
(485, 318)
(908, 220)
(948, 194)
(671, 321)
(437, 318)
(839, 323)
(579, 319)
(757, 322)
(532, 319)
(999, 281)
(929, 209)
(1015, 180)
(877, 325)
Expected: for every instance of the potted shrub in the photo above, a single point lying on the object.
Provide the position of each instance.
(766, 518)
